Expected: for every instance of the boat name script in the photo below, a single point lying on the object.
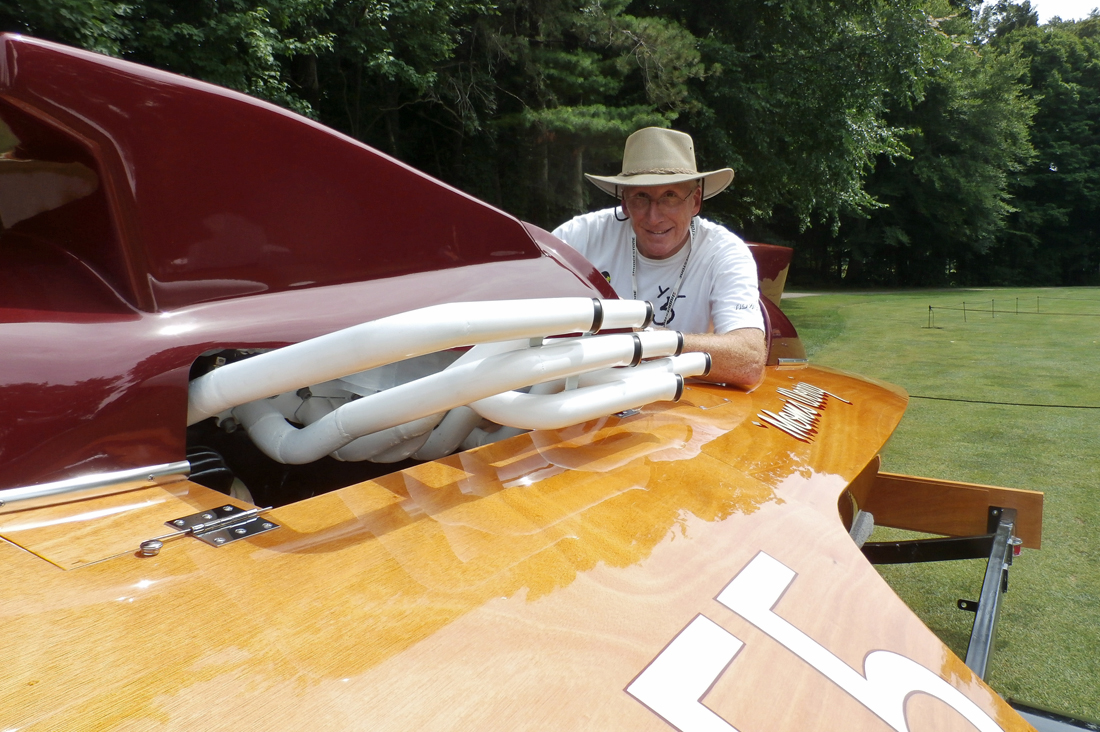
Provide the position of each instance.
(802, 407)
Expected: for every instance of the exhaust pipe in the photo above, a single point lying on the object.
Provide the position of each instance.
(456, 386)
(402, 336)
(554, 411)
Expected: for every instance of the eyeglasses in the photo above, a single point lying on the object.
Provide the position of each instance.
(639, 203)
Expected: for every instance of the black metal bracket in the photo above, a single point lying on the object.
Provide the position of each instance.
(928, 550)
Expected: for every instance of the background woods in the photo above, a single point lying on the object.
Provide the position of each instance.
(909, 142)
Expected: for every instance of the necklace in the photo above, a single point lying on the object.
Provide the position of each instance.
(679, 280)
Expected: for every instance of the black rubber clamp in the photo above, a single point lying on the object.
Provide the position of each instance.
(597, 316)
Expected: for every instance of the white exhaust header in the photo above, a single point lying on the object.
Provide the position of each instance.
(357, 396)
(402, 336)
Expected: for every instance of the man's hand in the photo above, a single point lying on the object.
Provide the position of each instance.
(737, 357)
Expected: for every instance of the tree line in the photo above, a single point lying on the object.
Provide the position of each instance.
(899, 142)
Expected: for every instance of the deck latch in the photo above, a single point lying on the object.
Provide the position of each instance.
(215, 526)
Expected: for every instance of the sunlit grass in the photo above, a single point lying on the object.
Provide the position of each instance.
(1048, 639)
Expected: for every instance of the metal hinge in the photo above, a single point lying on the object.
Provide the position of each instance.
(215, 526)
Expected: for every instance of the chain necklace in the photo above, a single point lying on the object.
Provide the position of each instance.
(679, 280)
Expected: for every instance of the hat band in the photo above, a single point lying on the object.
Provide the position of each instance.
(659, 171)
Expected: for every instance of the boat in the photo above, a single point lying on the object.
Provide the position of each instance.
(298, 437)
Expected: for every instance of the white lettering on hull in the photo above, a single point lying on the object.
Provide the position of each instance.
(677, 680)
(674, 684)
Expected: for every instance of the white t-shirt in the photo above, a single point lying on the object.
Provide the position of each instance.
(719, 291)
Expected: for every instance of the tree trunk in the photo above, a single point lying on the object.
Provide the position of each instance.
(542, 181)
(576, 182)
(393, 130)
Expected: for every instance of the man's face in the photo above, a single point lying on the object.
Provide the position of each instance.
(661, 216)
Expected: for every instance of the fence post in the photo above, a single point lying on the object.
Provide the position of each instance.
(964, 311)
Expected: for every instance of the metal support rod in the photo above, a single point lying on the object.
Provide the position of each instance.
(92, 485)
(994, 585)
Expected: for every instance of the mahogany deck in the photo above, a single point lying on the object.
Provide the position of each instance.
(524, 585)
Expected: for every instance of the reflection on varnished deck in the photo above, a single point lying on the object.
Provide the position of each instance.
(520, 586)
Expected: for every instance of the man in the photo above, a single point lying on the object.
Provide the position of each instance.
(653, 246)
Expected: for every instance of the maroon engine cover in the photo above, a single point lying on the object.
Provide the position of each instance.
(214, 220)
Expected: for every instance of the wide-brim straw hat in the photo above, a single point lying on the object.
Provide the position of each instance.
(655, 156)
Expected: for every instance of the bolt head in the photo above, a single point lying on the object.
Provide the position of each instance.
(151, 547)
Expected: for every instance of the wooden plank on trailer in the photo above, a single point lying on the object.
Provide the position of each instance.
(951, 508)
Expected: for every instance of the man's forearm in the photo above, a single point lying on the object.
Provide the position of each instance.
(737, 357)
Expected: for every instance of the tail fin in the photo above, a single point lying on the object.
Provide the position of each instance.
(772, 264)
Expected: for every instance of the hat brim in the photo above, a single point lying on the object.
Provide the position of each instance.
(714, 182)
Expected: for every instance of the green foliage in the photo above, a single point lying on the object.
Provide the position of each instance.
(396, 54)
(946, 202)
(97, 25)
(1004, 17)
(507, 99)
(889, 141)
(235, 43)
(943, 203)
(795, 98)
(1054, 235)
(574, 86)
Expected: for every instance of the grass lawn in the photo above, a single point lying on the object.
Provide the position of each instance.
(1048, 637)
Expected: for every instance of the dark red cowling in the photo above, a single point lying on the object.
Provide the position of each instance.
(212, 220)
